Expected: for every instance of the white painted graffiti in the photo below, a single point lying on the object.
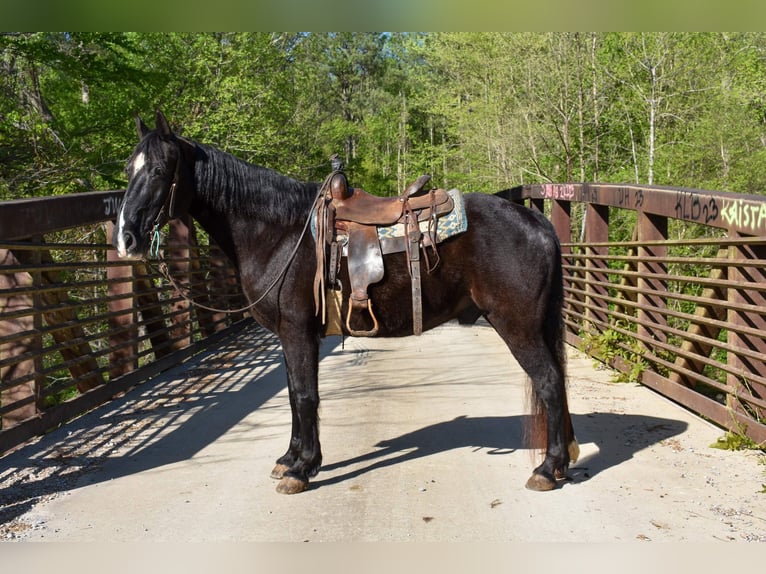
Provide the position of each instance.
(111, 205)
(745, 214)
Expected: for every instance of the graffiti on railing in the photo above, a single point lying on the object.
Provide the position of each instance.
(745, 215)
(111, 205)
(696, 207)
(565, 192)
(630, 197)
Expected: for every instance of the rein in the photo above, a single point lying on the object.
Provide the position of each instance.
(154, 251)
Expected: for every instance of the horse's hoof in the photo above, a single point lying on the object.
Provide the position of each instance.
(279, 471)
(574, 451)
(292, 485)
(540, 483)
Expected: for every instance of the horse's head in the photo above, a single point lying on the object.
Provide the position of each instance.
(159, 174)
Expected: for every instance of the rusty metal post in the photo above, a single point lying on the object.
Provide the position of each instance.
(739, 316)
(197, 277)
(226, 292)
(122, 324)
(596, 231)
(180, 237)
(24, 393)
(150, 309)
(703, 329)
(37, 319)
(561, 218)
(562, 221)
(651, 290)
(629, 281)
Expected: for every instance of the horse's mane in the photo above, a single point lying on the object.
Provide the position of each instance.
(232, 185)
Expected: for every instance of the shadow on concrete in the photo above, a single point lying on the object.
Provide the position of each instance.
(177, 414)
(617, 436)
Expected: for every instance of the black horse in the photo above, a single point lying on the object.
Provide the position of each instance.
(506, 267)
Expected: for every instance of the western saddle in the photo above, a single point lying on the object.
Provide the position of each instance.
(347, 222)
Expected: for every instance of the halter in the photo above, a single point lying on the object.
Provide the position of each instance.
(167, 210)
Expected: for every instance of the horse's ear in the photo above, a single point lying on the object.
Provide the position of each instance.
(161, 125)
(141, 127)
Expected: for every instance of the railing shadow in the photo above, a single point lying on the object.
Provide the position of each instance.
(166, 420)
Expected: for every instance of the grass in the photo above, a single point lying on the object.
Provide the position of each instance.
(739, 441)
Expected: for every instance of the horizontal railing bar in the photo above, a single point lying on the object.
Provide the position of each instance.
(78, 265)
(704, 281)
(740, 351)
(672, 367)
(688, 336)
(711, 261)
(700, 241)
(53, 246)
(672, 295)
(720, 386)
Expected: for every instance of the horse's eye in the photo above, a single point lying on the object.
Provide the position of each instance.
(158, 171)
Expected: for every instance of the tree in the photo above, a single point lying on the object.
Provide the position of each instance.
(478, 111)
(62, 120)
(347, 97)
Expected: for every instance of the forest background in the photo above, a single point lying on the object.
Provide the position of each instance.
(478, 111)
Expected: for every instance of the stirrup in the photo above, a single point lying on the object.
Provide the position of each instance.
(372, 332)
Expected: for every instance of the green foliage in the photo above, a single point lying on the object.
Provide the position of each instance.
(63, 123)
(478, 111)
(612, 343)
(737, 441)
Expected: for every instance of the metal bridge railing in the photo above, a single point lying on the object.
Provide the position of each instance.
(668, 286)
(76, 324)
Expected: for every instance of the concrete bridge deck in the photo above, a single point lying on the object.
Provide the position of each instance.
(431, 452)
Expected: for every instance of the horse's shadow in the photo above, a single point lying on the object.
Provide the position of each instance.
(617, 438)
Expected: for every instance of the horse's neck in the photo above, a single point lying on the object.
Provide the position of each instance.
(232, 227)
(219, 229)
(242, 235)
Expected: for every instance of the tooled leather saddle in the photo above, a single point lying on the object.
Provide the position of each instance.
(347, 222)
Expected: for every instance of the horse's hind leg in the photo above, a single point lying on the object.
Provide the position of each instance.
(549, 401)
(546, 373)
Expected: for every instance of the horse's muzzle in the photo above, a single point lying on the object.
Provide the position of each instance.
(126, 244)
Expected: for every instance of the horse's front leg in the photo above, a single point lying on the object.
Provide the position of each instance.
(304, 455)
(288, 459)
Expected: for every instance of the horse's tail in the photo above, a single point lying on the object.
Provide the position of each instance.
(555, 340)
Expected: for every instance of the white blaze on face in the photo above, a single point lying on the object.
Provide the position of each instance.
(137, 164)
(135, 167)
(121, 250)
